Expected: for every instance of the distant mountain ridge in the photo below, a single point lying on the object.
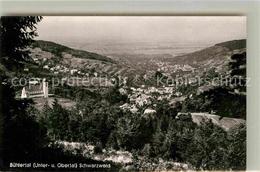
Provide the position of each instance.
(58, 49)
(233, 45)
(216, 56)
(60, 59)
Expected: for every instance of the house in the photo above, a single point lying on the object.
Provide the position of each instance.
(149, 114)
(149, 111)
(204, 88)
(72, 71)
(26, 69)
(45, 67)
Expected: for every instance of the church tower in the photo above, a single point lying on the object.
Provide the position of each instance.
(23, 95)
(45, 88)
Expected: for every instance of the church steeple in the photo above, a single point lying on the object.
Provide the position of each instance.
(24, 95)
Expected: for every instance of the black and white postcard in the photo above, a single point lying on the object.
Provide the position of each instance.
(123, 93)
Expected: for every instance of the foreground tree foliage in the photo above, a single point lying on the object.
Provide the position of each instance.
(22, 135)
(204, 146)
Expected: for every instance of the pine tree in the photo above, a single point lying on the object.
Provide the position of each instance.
(238, 71)
(21, 135)
(17, 34)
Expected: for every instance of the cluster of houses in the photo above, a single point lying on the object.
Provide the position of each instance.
(169, 68)
(140, 97)
(143, 97)
(176, 68)
(60, 69)
(140, 94)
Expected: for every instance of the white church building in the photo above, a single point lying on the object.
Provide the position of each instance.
(36, 89)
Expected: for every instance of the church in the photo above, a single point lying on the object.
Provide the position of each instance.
(35, 89)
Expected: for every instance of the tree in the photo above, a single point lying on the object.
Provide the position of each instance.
(238, 71)
(17, 34)
(207, 148)
(60, 122)
(178, 137)
(113, 94)
(237, 148)
(21, 135)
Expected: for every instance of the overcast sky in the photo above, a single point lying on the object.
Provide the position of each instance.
(147, 29)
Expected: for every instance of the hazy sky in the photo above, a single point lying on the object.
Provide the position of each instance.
(147, 29)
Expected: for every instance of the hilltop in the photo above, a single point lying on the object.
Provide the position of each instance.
(212, 56)
(58, 50)
(233, 45)
(63, 60)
